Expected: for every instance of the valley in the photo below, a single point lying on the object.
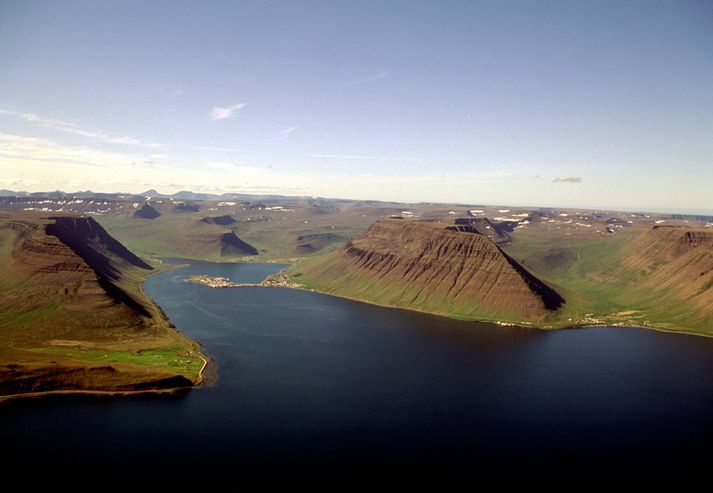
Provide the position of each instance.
(74, 316)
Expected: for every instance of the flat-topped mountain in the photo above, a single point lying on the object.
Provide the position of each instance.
(435, 267)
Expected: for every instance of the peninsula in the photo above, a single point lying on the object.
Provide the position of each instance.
(73, 316)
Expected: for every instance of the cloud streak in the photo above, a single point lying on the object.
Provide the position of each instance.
(19, 148)
(377, 76)
(71, 128)
(223, 113)
(288, 130)
(358, 157)
(571, 179)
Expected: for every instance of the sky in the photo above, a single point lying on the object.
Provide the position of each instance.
(572, 104)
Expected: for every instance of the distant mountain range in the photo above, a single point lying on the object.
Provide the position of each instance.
(187, 195)
(148, 194)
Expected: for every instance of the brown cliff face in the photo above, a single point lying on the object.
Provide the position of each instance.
(677, 259)
(435, 267)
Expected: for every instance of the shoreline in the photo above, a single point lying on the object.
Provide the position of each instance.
(499, 323)
(199, 382)
(101, 393)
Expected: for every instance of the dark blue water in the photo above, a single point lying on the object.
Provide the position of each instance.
(315, 386)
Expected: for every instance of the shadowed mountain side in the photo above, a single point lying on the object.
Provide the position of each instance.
(92, 243)
(231, 246)
(431, 267)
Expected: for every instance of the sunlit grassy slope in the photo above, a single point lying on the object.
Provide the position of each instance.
(600, 282)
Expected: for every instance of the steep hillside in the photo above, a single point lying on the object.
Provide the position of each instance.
(654, 276)
(73, 316)
(675, 263)
(452, 270)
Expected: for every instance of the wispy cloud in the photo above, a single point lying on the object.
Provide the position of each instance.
(223, 113)
(71, 128)
(20, 148)
(288, 130)
(571, 179)
(358, 157)
(377, 76)
(171, 91)
(206, 148)
(284, 133)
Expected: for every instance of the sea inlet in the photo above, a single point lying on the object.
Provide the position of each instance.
(314, 386)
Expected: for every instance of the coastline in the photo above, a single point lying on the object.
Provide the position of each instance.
(102, 393)
(200, 380)
(500, 323)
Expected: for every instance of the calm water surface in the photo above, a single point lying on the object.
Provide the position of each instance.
(314, 385)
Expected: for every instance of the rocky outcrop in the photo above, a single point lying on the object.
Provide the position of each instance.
(451, 269)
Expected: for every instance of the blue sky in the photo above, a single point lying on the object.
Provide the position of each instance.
(591, 104)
